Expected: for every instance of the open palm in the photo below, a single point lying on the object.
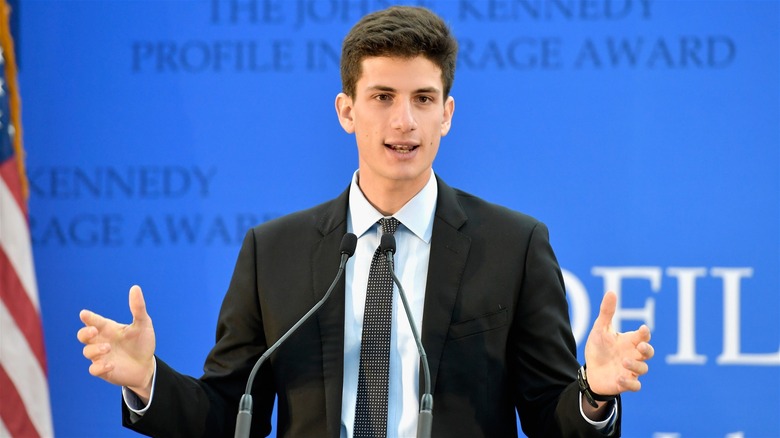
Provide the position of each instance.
(615, 360)
(122, 354)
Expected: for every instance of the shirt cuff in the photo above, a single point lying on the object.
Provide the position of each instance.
(606, 426)
(136, 405)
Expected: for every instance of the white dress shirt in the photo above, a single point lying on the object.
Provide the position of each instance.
(413, 249)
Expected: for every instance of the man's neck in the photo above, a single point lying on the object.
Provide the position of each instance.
(388, 199)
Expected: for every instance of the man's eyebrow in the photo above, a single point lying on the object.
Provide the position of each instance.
(427, 90)
(382, 88)
(393, 90)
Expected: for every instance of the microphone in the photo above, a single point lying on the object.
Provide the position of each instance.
(244, 418)
(425, 420)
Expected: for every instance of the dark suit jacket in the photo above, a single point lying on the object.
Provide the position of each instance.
(495, 329)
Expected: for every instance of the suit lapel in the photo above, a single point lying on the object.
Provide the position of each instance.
(449, 251)
(324, 263)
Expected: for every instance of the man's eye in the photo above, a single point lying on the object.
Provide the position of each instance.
(383, 97)
(424, 99)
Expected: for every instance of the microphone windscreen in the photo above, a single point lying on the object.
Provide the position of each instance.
(348, 244)
(387, 243)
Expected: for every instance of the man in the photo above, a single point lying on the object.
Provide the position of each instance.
(483, 281)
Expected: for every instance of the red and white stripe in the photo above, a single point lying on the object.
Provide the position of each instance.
(24, 393)
(25, 410)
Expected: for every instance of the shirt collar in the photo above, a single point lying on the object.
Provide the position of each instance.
(416, 215)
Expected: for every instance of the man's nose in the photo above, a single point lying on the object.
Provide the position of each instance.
(403, 117)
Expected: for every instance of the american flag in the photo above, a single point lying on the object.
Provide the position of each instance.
(24, 391)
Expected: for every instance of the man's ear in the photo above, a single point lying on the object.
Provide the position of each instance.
(344, 111)
(449, 110)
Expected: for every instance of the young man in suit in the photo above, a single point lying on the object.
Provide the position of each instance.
(483, 284)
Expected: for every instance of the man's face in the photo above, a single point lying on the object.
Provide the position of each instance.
(398, 116)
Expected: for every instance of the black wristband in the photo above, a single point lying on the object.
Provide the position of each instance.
(590, 396)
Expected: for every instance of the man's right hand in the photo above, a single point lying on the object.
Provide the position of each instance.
(121, 354)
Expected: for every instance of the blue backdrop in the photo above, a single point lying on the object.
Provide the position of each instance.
(645, 133)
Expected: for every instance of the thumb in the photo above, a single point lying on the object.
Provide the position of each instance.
(138, 306)
(607, 310)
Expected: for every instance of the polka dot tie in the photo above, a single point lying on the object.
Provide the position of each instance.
(373, 378)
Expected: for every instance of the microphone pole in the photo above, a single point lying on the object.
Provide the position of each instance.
(244, 418)
(425, 419)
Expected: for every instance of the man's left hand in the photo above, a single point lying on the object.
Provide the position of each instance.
(615, 360)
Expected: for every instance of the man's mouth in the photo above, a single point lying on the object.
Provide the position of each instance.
(401, 148)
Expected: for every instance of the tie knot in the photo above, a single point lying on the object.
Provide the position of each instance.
(389, 225)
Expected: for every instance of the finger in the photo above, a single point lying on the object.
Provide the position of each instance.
(607, 310)
(637, 337)
(636, 367)
(644, 332)
(100, 368)
(646, 350)
(93, 319)
(95, 351)
(629, 384)
(138, 305)
(86, 334)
